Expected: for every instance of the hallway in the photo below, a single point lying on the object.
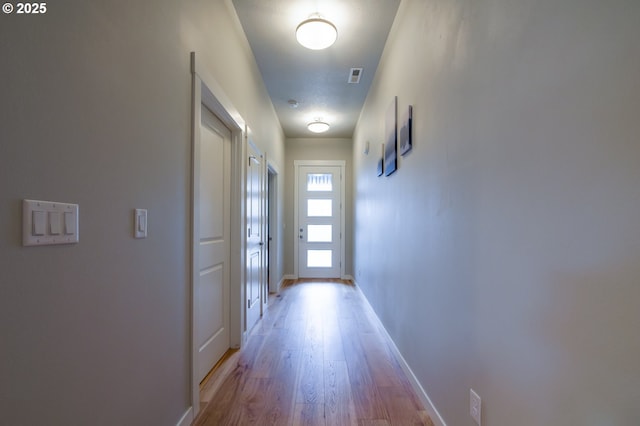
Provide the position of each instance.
(317, 357)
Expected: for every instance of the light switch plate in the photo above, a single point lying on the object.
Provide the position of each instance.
(43, 220)
(140, 223)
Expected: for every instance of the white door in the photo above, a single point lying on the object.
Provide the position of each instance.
(319, 221)
(213, 242)
(255, 237)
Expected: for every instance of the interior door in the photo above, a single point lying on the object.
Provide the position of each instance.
(319, 221)
(255, 236)
(213, 242)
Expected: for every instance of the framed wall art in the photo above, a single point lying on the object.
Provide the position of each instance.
(391, 133)
(380, 170)
(406, 142)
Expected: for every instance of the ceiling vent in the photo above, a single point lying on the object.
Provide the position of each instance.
(354, 75)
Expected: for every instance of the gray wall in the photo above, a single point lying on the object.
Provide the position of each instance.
(96, 110)
(316, 149)
(509, 260)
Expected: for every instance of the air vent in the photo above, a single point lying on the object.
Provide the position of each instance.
(354, 75)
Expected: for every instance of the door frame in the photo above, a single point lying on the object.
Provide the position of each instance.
(205, 90)
(336, 163)
(263, 228)
(273, 240)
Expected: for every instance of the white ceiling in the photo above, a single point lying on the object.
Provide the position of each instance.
(317, 80)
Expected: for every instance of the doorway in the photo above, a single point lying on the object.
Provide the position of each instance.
(213, 224)
(272, 231)
(319, 219)
(256, 231)
(215, 217)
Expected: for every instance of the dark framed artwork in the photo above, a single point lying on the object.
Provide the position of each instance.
(391, 132)
(406, 142)
(381, 162)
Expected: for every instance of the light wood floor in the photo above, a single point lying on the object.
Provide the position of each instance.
(315, 358)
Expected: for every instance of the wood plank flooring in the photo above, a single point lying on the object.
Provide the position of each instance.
(315, 358)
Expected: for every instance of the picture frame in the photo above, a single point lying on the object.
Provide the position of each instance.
(406, 139)
(391, 132)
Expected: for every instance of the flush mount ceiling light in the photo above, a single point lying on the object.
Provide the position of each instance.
(318, 126)
(316, 33)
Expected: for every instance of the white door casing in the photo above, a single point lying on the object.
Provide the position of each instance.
(319, 219)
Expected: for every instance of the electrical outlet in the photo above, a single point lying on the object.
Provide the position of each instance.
(475, 406)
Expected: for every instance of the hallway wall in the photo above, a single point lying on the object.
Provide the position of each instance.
(96, 110)
(504, 253)
(316, 149)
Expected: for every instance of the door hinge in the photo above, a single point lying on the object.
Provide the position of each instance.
(248, 303)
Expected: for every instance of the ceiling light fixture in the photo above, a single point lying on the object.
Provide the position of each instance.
(318, 126)
(316, 33)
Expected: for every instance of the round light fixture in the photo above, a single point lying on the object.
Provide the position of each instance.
(316, 33)
(318, 126)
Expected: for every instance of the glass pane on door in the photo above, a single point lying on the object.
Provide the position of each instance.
(319, 182)
(319, 233)
(319, 258)
(319, 208)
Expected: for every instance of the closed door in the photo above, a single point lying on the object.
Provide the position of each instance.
(213, 242)
(255, 236)
(319, 221)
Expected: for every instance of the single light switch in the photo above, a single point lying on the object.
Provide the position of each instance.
(69, 223)
(140, 223)
(39, 220)
(54, 223)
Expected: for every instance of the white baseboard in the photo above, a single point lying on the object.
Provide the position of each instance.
(415, 383)
(295, 277)
(187, 418)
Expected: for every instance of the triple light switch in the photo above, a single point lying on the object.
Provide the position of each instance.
(48, 222)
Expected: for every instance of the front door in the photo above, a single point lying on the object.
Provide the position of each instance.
(213, 216)
(319, 221)
(255, 236)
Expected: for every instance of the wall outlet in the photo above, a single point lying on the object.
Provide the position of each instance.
(475, 406)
